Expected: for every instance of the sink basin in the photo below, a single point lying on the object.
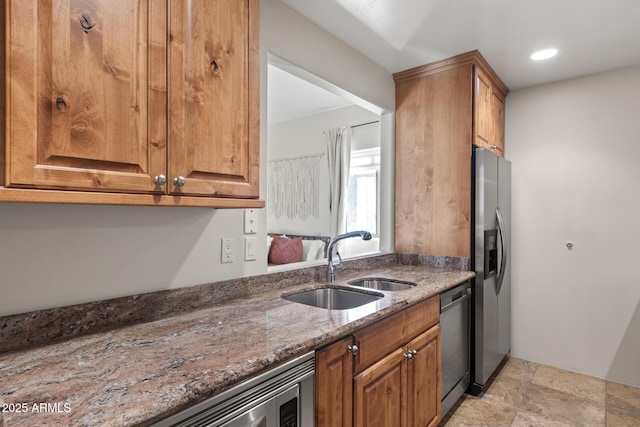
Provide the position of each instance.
(333, 298)
(382, 284)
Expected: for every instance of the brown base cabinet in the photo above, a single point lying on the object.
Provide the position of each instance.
(423, 379)
(334, 397)
(387, 374)
(378, 393)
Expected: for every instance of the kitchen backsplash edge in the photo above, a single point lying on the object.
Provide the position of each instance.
(451, 263)
(24, 330)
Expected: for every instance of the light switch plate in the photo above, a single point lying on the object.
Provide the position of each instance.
(250, 221)
(249, 248)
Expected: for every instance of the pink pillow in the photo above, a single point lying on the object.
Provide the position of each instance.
(284, 251)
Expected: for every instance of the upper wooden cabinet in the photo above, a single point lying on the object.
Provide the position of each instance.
(489, 112)
(116, 103)
(213, 97)
(80, 98)
(442, 110)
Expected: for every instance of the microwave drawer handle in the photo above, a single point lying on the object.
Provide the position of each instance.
(460, 300)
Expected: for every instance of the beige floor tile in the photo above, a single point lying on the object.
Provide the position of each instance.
(617, 418)
(563, 407)
(571, 382)
(510, 383)
(509, 389)
(527, 394)
(518, 369)
(528, 419)
(481, 412)
(623, 397)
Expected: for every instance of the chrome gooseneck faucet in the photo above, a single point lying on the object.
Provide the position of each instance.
(331, 270)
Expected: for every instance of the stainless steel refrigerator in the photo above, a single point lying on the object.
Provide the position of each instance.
(490, 259)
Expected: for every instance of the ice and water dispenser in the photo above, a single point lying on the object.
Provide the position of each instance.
(490, 253)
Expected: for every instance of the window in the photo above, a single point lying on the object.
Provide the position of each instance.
(363, 207)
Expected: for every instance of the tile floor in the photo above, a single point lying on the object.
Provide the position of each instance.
(527, 394)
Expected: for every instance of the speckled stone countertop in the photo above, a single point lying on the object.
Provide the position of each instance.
(138, 374)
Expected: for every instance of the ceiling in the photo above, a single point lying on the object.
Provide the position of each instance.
(290, 97)
(590, 35)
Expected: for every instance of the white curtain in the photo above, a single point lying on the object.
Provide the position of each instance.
(338, 155)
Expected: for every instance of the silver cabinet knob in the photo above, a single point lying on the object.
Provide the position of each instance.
(179, 181)
(160, 179)
(353, 349)
(493, 146)
(410, 354)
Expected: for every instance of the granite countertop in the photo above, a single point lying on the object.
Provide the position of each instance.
(138, 374)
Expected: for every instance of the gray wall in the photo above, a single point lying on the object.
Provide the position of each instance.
(575, 148)
(55, 255)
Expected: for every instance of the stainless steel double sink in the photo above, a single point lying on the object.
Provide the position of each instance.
(342, 298)
(382, 284)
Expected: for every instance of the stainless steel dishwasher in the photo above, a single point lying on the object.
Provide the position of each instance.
(281, 397)
(455, 328)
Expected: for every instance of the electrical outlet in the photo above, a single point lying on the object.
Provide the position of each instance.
(227, 250)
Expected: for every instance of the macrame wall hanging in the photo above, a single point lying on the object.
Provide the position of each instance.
(294, 187)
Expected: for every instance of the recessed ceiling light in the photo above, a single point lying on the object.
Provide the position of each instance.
(544, 54)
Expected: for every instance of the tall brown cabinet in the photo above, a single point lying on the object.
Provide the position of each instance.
(442, 110)
(130, 102)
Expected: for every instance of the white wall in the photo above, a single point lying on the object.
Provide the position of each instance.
(304, 137)
(290, 36)
(575, 152)
(54, 255)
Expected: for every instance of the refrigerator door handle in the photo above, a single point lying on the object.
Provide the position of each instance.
(505, 250)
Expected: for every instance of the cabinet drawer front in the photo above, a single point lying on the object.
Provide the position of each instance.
(380, 339)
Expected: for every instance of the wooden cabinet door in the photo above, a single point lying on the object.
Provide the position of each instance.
(424, 379)
(378, 393)
(497, 115)
(86, 94)
(483, 112)
(488, 115)
(334, 373)
(433, 154)
(213, 97)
